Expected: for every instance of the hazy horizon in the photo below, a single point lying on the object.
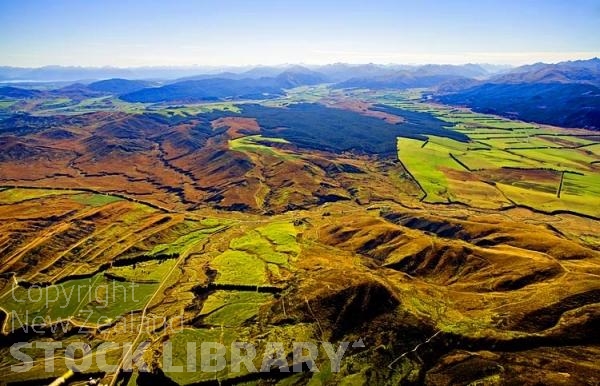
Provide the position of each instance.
(242, 67)
(128, 34)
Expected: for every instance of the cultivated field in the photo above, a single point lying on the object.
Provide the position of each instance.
(505, 163)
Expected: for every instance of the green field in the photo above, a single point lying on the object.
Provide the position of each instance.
(180, 353)
(444, 179)
(259, 144)
(232, 308)
(68, 106)
(6, 104)
(152, 271)
(185, 241)
(183, 110)
(302, 94)
(262, 252)
(15, 195)
(95, 200)
(89, 301)
(426, 164)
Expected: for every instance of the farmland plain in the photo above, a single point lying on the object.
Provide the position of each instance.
(506, 162)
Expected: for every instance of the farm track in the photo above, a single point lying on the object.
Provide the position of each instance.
(560, 185)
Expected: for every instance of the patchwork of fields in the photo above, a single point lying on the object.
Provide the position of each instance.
(117, 270)
(505, 163)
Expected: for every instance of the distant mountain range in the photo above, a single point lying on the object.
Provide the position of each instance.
(334, 73)
(246, 86)
(120, 86)
(75, 74)
(566, 94)
(422, 76)
(579, 71)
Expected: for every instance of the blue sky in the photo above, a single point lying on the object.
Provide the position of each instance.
(232, 32)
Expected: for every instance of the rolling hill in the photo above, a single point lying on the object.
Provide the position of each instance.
(564, 94)
(119, 86)
(223, 88)
(18, 93)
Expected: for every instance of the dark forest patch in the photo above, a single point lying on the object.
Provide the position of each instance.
(315, 126)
